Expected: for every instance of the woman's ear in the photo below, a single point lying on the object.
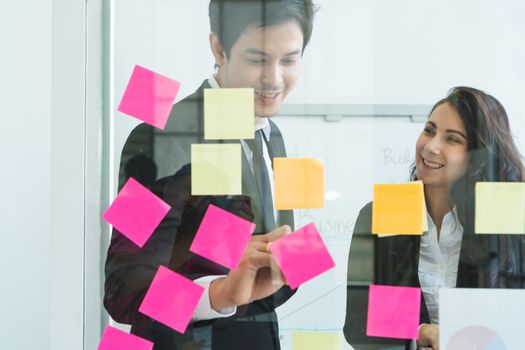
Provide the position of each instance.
(217, 49)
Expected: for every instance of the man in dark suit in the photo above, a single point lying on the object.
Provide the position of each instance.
(256, 44)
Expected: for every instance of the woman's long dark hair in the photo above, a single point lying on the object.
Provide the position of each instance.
(493, 155)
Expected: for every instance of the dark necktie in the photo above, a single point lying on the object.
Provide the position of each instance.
(263, 180)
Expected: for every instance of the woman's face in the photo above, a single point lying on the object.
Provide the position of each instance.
(441, 149)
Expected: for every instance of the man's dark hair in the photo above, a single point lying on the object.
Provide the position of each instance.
(230, 18)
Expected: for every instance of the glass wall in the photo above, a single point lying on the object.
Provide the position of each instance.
(358, 102)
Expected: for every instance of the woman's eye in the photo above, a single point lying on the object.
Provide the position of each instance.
(453, 140)
(428, 131)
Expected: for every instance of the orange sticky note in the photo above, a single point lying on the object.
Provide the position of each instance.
(399, 209)
(299, 183)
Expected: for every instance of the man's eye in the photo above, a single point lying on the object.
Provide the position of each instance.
(256, 61)
(288, 61)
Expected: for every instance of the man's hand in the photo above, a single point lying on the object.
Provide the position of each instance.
(256, 277)
(429, 336)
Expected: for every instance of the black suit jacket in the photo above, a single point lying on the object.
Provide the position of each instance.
(485, 261)
(160, 160)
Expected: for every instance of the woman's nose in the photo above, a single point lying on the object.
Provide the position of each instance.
(433, 146)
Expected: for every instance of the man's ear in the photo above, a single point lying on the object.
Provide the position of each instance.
(217, 49)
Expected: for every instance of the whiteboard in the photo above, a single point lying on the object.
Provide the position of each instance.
(360, 146)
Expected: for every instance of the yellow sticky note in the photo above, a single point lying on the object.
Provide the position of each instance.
(299, 183)
(216, 169)
(399, 209)
(229, 114)
(500, 207)
(316, 341)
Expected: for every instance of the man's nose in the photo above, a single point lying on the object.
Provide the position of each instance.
(273, 75)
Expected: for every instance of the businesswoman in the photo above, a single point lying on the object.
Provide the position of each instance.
(466, 139)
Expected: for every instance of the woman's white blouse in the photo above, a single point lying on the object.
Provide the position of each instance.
(438, 260)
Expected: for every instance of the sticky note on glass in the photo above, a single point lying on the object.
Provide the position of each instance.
(302, 255)
(149, 97)
(171, 299)
(399, 209)
(299, 183)
(500, 207)
(115, 339)
(216, 169)
(229, 114)
(136, 212)
(393, 312)
(222, 237)
(316, 341)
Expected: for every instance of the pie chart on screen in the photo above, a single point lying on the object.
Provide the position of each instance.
(476, 338)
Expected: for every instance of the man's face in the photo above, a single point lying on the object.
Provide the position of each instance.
(267, 59)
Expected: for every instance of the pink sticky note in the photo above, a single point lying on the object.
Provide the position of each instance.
(393, 312)
(115, 339)
(149, 97)
(136, 212)
(302, 255)
(222, 237)
(171, 299)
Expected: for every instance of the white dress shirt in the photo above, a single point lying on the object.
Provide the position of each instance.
(204, 310)
(438, 260)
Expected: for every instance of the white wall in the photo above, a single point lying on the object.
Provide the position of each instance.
(362, 51)
(25, 87)
(413, 52)
(41, 187)
(68, 98)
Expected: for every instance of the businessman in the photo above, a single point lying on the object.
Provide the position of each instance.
(256, 44)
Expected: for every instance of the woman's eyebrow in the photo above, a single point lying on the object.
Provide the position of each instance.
(456, 132)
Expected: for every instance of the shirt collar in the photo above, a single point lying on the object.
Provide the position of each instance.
(260, 123)
(450, 217)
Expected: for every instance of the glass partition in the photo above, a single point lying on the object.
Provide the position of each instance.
(407, 205)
